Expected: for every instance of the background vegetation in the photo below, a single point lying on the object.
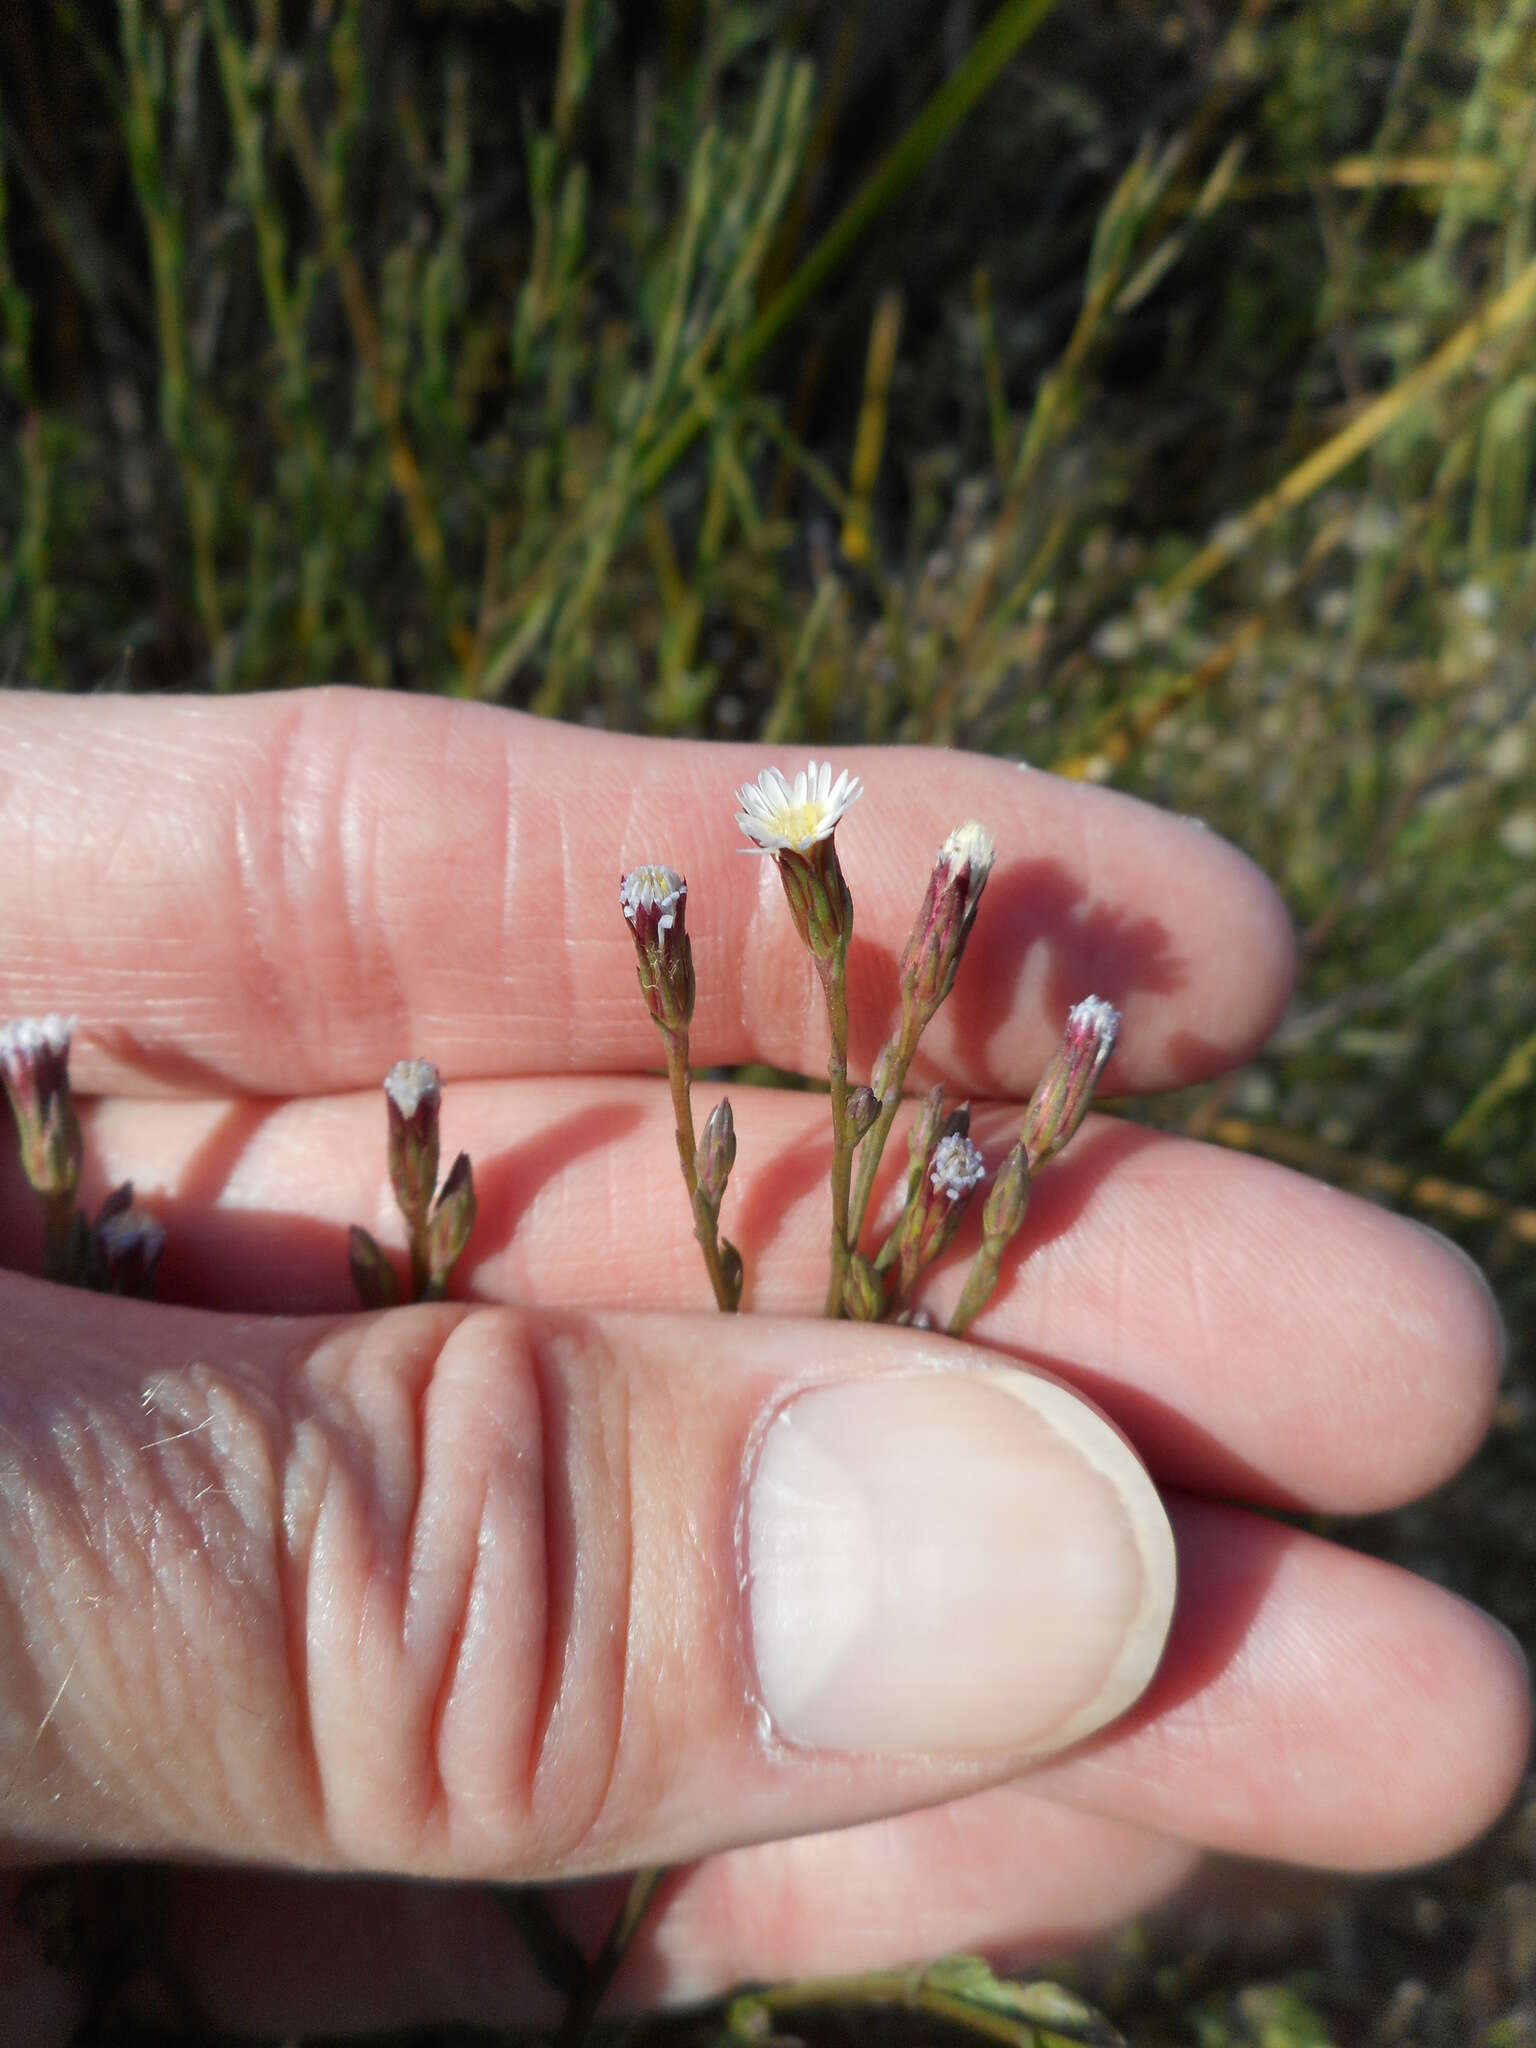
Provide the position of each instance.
(1145, 390)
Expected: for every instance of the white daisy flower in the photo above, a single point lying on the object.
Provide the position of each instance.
(957, 1168)
(780, 817)
(652, 896)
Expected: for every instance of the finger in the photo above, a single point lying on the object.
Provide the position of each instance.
(1313, 1706)
(281, 894)
(476, 1593)
(1249, 1328)
(1000, 1874)
(486, 1594)
(267, 1954)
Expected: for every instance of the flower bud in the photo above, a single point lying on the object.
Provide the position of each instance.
(654, 900)
(1066, 1088)
(863, 1111)
(1002, 1215)
(373, 1277)
(125, 1248)
(717, 1153)
(923, 1136)
(863, 1291)
(34, 1062)
(413, 1091)
(931, 957)
(730, 1266)
(452, 1221)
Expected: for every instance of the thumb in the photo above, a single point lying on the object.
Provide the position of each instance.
(485, 1593)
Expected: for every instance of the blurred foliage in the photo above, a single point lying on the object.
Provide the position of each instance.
(1162, 410)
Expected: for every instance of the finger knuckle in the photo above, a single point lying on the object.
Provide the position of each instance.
(459, 1571)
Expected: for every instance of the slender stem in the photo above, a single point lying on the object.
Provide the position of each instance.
(834, 981)
(979, 1283)
(555, 1956)
(60, 1239)
(705, 1224)
(582, 2009)
(905, 1991)
(871, 1151)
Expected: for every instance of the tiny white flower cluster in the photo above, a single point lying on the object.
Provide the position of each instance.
(1095, 1018)
(970, 846)
(653, 888)
(29, 1036)
(410, 1083)
(957, 1167)
(780, 817)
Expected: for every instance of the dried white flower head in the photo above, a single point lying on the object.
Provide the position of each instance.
(413, 1095)
(654, 900)
(410, 1083)
(969, 846)
(651, 896)
(1061, 1101)
(780, 817)
(27, 1037)
(957, 1168)
(34, 1066)
(1094, 1024)
(931, 957)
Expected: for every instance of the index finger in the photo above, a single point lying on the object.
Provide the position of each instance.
(286, 894)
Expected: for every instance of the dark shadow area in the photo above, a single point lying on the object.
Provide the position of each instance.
(1039, 909)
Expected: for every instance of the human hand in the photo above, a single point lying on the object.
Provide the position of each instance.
(456, 1592)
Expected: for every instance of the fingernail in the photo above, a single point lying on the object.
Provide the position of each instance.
(952, 1563)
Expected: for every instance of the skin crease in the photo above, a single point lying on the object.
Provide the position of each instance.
(272, 920)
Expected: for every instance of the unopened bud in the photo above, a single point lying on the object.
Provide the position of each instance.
(863, 1291)
(34, 1061)
(1002, 1214)
(654, 900)
(126, 1243)
(413, 1091)
(731, 1268)
(452, 1221)
(373, 1277)
(957, 1124)
(924, 1135)
(1066, 1088)
(863, 1111)
(932, 954)
(717, 1153)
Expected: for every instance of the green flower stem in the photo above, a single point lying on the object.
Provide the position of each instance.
(749, 2017)
(61, 1239)
(902, 1048)
(979, 1283)
(582, 2009)
(421, 1266)
(706, 1226)
(834, 981)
